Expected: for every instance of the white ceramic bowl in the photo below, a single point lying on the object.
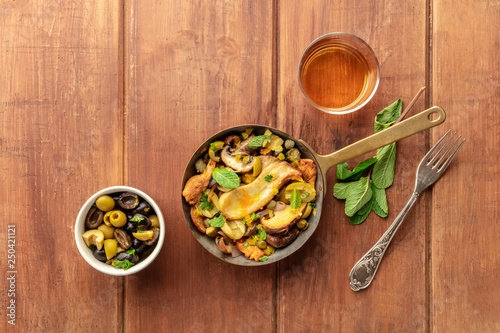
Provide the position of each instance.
(87, 253)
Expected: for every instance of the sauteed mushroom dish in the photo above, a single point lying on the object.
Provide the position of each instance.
(252, 193)
(121, 228)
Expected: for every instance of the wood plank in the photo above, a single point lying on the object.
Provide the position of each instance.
(314, 289)
(192, 69)
(465, 215)
(60, 141)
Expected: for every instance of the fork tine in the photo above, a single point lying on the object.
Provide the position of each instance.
(441, 149)
(429, 153)
(438, 163)
(447, 162)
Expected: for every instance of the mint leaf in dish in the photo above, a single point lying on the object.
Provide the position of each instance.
(257, 141)
(217, 222)
(225, 178)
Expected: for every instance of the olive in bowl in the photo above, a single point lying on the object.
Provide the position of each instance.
(113, 237)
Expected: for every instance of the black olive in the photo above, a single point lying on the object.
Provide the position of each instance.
(143, 208)
(133, 258)
(129, 227)
(100, 254)
(128, 200)
(153, 240)
(123, 239)
(141, 221)
(115, 196)
(94, 218)
(138, 245)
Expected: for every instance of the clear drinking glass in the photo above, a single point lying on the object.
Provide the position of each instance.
(338, 73)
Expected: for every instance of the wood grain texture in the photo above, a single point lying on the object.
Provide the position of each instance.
(60, 141)
(193, 68)
(466, 205)
(314, 285)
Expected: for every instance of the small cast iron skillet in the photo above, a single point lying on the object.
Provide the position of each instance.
(420, 122)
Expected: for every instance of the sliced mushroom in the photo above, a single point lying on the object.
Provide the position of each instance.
(244, 144)
(94, 218)
(94, 237)
(283, 240)
(251, 230)
(128, 200)
(232, 140)
(223, 244)
(123, 238)
(229, 159)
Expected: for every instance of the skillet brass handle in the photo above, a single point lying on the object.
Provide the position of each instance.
(413, 125)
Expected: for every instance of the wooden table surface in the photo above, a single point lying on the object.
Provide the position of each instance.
(101, 93)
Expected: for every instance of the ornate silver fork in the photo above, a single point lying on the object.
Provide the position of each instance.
(429, 171)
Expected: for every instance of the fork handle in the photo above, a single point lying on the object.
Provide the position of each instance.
(364, 271)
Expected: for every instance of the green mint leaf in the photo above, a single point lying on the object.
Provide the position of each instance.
(225, 178)
(341, 190)
(342, 171)
(245, 245)
(295, 199)
(388, 116)
(359, 194)
(253, 217)
(268, 178)
(358, 219)
(131, 251)
(136, 219)
(124, 264)
(383, 170)
(263, 258)
(217, 222)
(379, 211)
(204, 204)
(140, 231)
(262, 233)
(92, 247)
(344, 174)
(367, 207)
(257, 141)
(380, 199)
(312, 204)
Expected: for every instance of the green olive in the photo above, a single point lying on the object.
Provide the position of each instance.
(154, 220)
(105, 203)
(111, 248)
(307, 212)
(212, 231)
(302, 224)
(106, 219)
(269, 250)
(118, 218)
(106, 230)
(261, 244)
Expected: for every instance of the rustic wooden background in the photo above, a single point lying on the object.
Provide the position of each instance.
(100, 93)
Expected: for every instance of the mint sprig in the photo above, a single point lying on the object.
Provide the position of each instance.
(365, 194)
